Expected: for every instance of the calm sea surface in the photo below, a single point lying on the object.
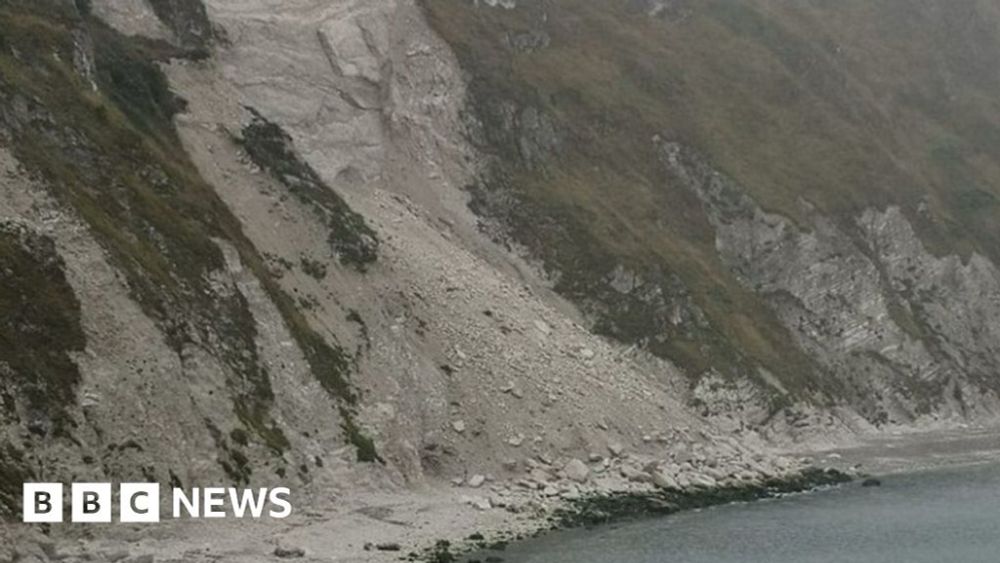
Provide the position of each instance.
(942, 516)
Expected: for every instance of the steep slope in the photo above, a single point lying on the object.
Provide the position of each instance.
(355, 247)
(762, 191)
(463, 365)
(150, 335)
(236, 248)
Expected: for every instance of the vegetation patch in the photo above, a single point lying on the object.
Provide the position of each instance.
(232, 460)
(363, 445)
(14, 472)
(39, 329)
(188, 21)
(313, 268)
(271, 148)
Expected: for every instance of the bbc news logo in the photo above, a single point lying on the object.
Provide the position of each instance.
(140, 502)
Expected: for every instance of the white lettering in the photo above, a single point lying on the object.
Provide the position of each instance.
(279, 497)
(215, 497)
(190, 504)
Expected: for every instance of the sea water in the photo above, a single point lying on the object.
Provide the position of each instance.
(942, 516)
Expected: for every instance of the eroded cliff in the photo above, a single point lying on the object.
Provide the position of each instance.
(360, 247)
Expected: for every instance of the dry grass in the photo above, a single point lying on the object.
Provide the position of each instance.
(844, 105)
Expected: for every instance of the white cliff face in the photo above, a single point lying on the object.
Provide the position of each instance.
(904, 333)
(958, 299)
(373, 101)
(132, 16)
(464, 360)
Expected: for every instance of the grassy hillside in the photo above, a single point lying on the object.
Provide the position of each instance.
(811, 105)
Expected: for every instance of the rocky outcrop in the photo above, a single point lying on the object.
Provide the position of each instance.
(899, 331)
(752, 253)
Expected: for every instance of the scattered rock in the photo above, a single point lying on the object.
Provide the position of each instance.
(516, 440)
(543, 327)
(476, 481)
(289, 552)
(586, 353)
(664, 481)
(479, 503)
(539, 475)
(512, 390)
(577, 471)
(633, 474)
(871, 482)
(458, 426)
(616, 449)
(390, 546)
(702, 480)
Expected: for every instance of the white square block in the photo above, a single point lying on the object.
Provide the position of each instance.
(42, 502)
(91, 502)
(139, 502)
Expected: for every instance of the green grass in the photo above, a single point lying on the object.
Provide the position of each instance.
(271, 148)
(845, 105)
(14, 472)
(364, 446)
(39, 329)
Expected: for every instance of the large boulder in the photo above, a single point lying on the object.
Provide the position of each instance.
(663, 480)
(577, 471)
(702, 480)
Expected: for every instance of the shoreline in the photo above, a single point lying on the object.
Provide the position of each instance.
(438, 523)
(872, 456)
(622, 506)
(908, 452)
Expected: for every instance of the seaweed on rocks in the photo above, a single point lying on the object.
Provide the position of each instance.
(602, 509)
(609, 507)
